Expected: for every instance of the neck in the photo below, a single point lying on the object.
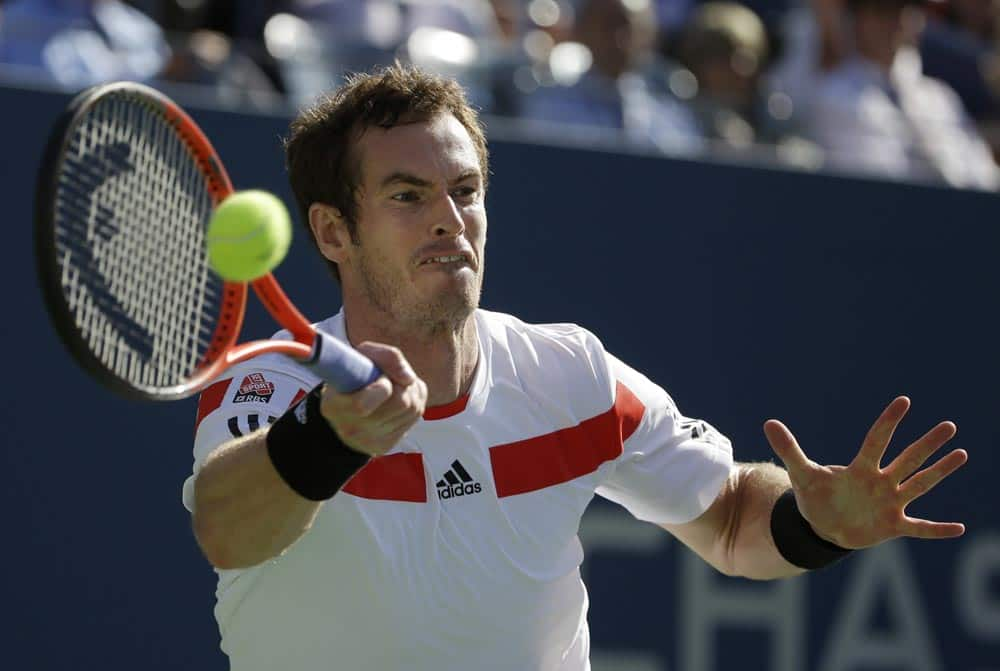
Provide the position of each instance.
(444, 356)
(874, 43)
(880, 58)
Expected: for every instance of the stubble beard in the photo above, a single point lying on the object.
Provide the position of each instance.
(446, 311)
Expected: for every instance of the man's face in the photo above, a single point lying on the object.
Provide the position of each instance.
(731, 81)
(885, 18)
(614, 34)
(883, 26)
(421, 224)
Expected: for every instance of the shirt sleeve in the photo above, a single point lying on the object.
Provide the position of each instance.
(672, 467)
(251, 395)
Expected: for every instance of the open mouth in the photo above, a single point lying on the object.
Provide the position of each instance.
(447, 259)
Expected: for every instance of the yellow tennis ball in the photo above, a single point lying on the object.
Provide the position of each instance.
(248, 235)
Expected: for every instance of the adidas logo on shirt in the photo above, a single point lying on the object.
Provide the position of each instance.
(457, 482)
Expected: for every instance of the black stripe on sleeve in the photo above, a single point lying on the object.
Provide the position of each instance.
(234, 427)
(253, 421)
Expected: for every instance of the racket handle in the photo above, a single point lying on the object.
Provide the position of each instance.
(341, 366)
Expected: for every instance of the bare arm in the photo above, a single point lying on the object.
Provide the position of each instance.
(734, 534)
(245, 513)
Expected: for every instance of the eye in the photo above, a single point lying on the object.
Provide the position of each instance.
(406, 197)
(466, 193)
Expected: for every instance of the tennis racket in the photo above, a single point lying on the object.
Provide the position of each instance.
(125, 191)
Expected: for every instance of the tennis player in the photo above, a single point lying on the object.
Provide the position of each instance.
(429, 521)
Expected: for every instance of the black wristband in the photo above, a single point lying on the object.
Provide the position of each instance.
(308, 454)
(796, 540)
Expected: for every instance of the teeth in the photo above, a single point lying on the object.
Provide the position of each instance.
(445, 259)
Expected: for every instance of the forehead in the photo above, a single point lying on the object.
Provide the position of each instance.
(439, 147)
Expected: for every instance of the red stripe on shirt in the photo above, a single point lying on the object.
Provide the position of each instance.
(447, 410)
(299, 394)
(210, 399)
(396, 477)
(560, 456)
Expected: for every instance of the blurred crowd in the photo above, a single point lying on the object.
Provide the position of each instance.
(906, 89)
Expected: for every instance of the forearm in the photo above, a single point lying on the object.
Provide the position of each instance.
(749, 546)
(734, 534)
(244, 512)
(256, 496)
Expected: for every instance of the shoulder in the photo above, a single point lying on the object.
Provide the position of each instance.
(559, 339)
(939, 94)
(566, 360)
(278, 362)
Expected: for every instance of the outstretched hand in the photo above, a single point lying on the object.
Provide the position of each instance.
(863, 504)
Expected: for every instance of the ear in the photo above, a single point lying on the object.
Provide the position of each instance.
(330, 230)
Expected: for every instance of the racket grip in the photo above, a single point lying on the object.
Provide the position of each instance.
(340, 365)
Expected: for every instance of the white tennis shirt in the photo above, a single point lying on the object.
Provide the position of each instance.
(458, 549)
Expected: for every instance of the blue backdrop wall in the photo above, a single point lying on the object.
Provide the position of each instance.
(748, 293)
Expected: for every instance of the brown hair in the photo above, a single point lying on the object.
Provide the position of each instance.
(322, 167)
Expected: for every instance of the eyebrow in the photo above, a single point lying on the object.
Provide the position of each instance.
(399, 177)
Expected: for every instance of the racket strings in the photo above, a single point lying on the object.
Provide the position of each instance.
(131, 208)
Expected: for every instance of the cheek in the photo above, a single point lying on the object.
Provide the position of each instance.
(476, 229)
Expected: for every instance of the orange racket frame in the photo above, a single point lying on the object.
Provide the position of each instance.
(329, 358)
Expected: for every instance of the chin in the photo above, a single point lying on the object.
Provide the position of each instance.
(450, 308)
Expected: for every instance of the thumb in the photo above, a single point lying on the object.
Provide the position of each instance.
(786, 447)
(390, 361)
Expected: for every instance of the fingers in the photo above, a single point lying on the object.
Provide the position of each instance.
(369, 399)
(932, 530)
(877, 440)
(923, 482)
(376, 431)
(373, 419)
(927, 479)
(390, 361)
(914, 456)
(786, 447)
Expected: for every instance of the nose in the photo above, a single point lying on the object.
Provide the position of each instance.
(448, 219)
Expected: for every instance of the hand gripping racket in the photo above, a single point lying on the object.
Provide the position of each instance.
(124, 195)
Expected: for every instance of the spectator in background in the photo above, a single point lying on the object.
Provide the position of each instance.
(814, 41)
(961, 48)
(618, 36)
(211, 59)
(385, 25)
(725, 46)
(508, 17)
(210, 49)
(876, 112)
(975, 19)
(77, 43)
(672, 15)
(353, 36)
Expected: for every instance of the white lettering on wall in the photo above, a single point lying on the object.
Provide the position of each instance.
(881, 573)
(978, 563)
(710, 603)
